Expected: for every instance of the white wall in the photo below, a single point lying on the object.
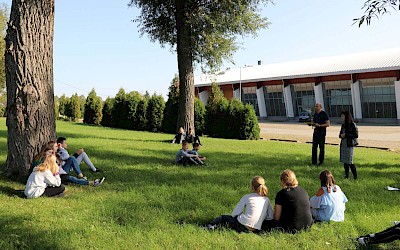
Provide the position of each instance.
(287, 96)
(319, 95)
(356, 99)
(261, 102)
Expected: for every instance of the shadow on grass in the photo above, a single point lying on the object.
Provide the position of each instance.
(16, 233)
(12, 192)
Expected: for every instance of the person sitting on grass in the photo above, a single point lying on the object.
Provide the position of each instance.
(184, 157)
(80, 154)
(45, 179)
(179, 137)
(250, 212)
(191, 137)
(329, 202)
(195, 151)
(39, 158)
(385, 236)
(50, 148)
(292, 206)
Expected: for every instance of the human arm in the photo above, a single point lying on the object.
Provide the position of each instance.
(239, 208)
(277, 212)
(52, 180)
(324, 125)
(63, 154)
(320, 192)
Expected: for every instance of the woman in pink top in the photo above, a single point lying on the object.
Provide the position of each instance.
(250, 212)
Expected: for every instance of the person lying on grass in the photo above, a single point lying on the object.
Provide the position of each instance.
(329, 202)
(250, 212)
(292, 206)
(80, 154)
(50, 148)
(45, 179)
(388, 235)
(184, 157)
(195, 151)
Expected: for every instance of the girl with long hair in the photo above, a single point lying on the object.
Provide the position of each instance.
(250, 212)
(45, 179)
(348, 134)
(329, 202)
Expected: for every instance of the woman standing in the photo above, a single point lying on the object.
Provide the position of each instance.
(349, 135)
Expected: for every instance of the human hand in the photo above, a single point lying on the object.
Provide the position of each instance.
(80, 151)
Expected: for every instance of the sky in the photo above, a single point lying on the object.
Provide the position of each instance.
(97, 45)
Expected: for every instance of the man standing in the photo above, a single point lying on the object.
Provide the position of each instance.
(320, 123)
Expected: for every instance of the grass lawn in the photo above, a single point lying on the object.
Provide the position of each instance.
(148, 202)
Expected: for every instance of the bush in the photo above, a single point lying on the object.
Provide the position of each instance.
(170, 116)
(107, 111)
(120, 111)
(249, 128)
(93, 109)
(199, 116)
(140, 120)
(154, 114)
(131, 104)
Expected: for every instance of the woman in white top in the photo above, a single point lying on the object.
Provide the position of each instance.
(45, 179)
(251, 210)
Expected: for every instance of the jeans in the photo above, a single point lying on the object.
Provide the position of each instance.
(85, 158)
(66, 178)
(71, 163)
(318, 140)
(230, 222)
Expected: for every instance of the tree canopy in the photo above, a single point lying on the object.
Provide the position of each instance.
(375, 9)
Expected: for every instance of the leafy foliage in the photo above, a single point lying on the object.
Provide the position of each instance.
(107, 119)
(171, 108)
(199, 116)
(375, 9)
(93, 109)
(154, 114)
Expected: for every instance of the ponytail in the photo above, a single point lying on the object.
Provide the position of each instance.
(258, 186)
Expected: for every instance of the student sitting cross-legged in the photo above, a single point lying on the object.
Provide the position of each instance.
(329, 202)
(184, 157)
(250, 212)
(195, 151)
(45, 179)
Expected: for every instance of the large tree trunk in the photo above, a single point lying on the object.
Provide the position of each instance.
(185, 66)
(29, 78)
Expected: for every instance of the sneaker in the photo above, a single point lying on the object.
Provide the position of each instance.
(98, 182)
(210, 227)
(97, 170)
(83, 177)
(362, 241)
(396, 222)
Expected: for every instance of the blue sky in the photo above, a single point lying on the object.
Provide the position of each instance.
(96, 44)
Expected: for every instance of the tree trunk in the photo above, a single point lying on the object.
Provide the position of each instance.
(185, 66)
(29, 79)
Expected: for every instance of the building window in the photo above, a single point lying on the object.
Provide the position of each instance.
(337, 97)
(249, 95)
(304, 99)
(274, 100)
(378, 98)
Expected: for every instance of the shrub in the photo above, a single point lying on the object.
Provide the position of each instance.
(249, 128)
(132, 100)
(93, 109)
(140, 119)
(107, 111)
(154, 113)
(199, 116)
(170, 116)
(120, 111)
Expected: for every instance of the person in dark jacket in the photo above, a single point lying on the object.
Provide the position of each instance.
(320, 123)
(348, 134)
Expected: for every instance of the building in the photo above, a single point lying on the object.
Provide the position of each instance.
(367, 84)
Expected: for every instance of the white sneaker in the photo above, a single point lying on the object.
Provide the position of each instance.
(396, 222)
(98, 182)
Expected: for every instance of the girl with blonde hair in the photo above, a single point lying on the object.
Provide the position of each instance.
(292, 206)
(45, 179)
(250, 212)
(329, 202)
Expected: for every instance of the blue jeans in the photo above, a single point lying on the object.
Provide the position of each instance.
(72, 163)
(75, 180)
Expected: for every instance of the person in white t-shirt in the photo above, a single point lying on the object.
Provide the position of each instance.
(250, 212)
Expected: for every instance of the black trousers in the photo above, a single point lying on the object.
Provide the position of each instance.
(53, 191)
(230, 222)
(318, 141)
(386, 236)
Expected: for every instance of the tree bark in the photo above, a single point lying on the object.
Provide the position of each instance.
(29, 80)
(185, 66)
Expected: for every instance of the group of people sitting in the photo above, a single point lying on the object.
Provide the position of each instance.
(183, 136)
(294, 211)
(50, 170)
(189, 157)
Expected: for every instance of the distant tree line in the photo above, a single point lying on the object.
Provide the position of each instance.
(221, 118)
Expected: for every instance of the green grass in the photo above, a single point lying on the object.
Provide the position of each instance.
(148, 202)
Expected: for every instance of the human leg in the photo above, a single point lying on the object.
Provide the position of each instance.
(314, 150)
(321, 144)
(386, 236)
(85, 158)
(353, 171)
(346, 170)
(75, 180)
(53, 191)
(72, 163)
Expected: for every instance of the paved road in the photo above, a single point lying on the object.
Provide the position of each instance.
(370, 135)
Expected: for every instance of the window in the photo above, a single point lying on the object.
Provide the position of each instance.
(378, 98)
(304, 99)
(274, 100)
(337, 97)
(249, 95)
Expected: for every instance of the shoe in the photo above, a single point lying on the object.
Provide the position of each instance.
(210, 227)
(83, 177)
(362, 241)
(98, 182)
(97, 170)
(396, 222)
(319, 164)
(59, 195)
